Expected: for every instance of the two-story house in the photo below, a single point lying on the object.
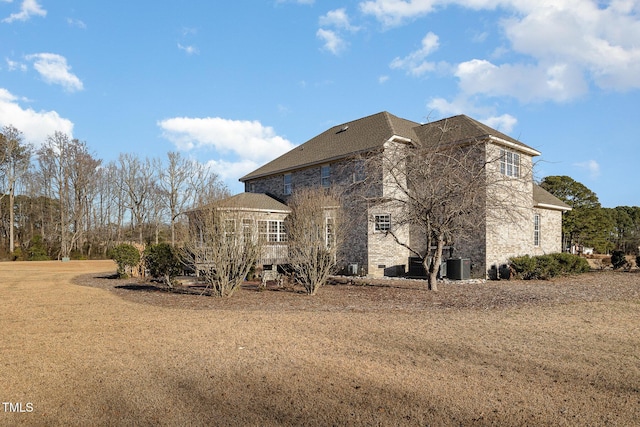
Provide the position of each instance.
(337, 157)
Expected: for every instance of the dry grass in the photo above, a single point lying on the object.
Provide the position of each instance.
(519, 353)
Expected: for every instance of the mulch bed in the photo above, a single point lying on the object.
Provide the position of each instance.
(384, 294)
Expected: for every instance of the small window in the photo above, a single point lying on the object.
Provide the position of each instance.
(252, 187)
(382, 223)
(325, 174)
(287, 184)
(359, 174)
(509, 163)
(536, 230)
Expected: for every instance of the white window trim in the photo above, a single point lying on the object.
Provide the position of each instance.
(536, 230)
(287, 184)
(272, 231)
(325, 180)
(381, 220)
(509, 163)
(329, 232)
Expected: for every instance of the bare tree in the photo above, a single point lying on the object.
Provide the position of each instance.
(185, 184)
(438, 193)
(314, 234)
(219, 249)
(15, 157)
(136, 179)
(69, 171)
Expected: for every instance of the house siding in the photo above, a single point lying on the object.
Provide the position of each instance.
(509, 218)
(504, 228)
(355, 249)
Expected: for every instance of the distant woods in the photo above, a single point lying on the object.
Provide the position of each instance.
(60, 200)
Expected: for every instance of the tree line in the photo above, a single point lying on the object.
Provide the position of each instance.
(588, 224)
(60, 200)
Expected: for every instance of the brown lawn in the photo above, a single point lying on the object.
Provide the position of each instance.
(84, 352)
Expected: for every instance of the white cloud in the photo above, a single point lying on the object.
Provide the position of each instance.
(395, 12)
(332, 41)
(248, 140)
(54, 70)
(504, 123)
(558, 82)
(339, 19)
(76, 23)
(591, 166)
(35, 125)
(561, 45)
(383, 79)
(415, 63)
(190, 50)
(231, 172)
(14, 65)
(28, 9)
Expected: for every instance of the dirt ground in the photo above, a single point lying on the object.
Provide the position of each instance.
(79, 348)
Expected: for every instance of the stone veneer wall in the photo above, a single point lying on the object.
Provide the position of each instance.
(509, 228)
(550, 232)
(354, 249)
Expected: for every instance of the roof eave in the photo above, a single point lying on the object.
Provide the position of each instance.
(552, 207)
(515, 146)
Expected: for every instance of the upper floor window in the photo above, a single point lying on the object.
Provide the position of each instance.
(325, 174)
(252, 187)
(359, 173)
(509, 163)
(382, 222)
(287, 184)
(536, 230)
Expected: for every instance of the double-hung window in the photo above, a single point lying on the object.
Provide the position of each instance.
(325, 175)
(359, 173)
(382, 223)
(287, 184)
(509, 163)
(536, 230)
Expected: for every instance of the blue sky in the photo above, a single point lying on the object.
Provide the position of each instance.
(236, 84)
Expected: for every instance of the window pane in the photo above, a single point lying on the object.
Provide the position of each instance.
(325, 172)
(382, 222)
(287, 184)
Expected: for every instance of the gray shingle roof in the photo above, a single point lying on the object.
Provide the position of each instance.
(462, 128)
(253, 201)
(339, 142)
(542, 198)
(372, 132)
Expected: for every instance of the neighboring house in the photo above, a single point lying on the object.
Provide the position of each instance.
(335, 158)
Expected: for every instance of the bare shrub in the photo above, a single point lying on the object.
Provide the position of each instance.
(314, 235)
(220, 251)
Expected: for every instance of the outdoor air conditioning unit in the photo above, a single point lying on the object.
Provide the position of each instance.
(352, 269)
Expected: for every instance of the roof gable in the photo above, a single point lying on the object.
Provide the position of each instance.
(339, 142)
(463, 128)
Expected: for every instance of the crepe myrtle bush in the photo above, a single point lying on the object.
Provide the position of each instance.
(545, 267)
(125, 255)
